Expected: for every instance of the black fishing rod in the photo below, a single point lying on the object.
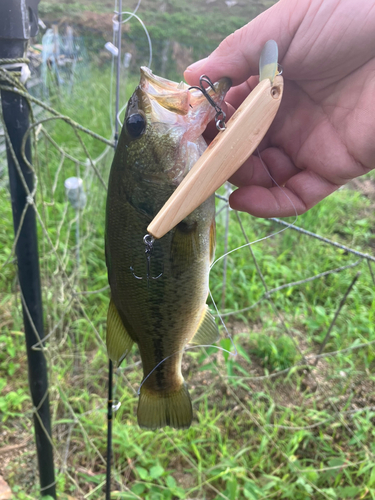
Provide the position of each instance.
(109, 431)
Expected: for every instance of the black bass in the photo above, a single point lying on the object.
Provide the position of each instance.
(158, 300)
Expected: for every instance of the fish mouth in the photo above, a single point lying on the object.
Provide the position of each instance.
(168, 99)
(175, 117)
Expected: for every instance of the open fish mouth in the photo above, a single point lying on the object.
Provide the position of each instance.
(166, 119)
(168, 98)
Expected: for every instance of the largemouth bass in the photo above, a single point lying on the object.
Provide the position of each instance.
(158, 297)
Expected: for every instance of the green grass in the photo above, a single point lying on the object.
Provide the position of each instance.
(304, 434)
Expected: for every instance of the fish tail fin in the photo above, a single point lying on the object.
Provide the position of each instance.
(158, 409)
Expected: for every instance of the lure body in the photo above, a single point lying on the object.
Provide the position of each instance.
(158, 300)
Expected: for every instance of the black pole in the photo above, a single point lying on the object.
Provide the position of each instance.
(109, 432)
(15, 29)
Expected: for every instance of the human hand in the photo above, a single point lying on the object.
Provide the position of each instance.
(324, 133)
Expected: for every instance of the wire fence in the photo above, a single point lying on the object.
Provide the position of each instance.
(289, 411)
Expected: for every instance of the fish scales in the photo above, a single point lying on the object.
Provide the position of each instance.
(166, 310)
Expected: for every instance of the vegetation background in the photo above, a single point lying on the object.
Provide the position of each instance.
(274, 421)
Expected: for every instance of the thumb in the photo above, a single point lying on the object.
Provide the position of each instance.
(237, 57)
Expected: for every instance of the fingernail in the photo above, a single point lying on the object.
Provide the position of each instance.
(195, 66)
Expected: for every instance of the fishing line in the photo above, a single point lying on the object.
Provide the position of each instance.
(132, 14)
(119, 113)
(251, 243)
(114, 22)
(280, 187)
(107, 148)
(269, 235)
(112, 75)
(228, 335)
(224, 325)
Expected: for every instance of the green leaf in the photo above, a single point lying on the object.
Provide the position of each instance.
(349, 491)
(243, 353)
(320, 310)
(252, 491)
(11, 350)
(156, 471)
(232, 488)
(330, 492)
(171, 482)
(226, 344)
(208, 366)
(143, 474)
(371, 480)
(3, 383)
(301, 481)
(138, 488)
(179, 492)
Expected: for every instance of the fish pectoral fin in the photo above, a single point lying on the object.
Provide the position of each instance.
(158, 409)
(212, 241)
(119, 342)
(207, 332)
(184, 248)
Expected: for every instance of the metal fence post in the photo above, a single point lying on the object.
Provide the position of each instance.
(18, 23)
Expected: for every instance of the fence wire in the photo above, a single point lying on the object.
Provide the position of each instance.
(289, 416)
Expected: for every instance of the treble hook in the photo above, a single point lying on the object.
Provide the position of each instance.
(148, 240)
(220, 115)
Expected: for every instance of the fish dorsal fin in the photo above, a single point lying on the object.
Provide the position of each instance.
(207, 332)
(119, 342)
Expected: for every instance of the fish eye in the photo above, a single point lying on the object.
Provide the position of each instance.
(136, 125)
